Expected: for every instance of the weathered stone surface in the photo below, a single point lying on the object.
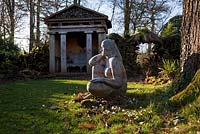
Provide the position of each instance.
(77, 12)
(52, 54)
(74, 19)
(63, 53)
(108, 72)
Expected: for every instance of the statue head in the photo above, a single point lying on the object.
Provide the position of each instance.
(109, 49)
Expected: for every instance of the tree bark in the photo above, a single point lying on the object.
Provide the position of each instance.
(32, 24)
(79, 2)
(190, 55)
(75, 2)
(127, 13)
(38, 23)
(12, 19)
(3, 21)
(113, 10)
(10, 5)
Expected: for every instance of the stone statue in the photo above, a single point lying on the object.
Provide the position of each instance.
(108, 72)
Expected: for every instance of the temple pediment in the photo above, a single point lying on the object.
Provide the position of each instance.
(76, 12)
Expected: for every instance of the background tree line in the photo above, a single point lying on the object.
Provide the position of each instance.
(132, 14)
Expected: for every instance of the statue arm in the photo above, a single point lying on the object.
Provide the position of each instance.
(95, 59)
(116, 80)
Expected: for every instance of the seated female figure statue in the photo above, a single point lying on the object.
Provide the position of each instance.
(108, 72)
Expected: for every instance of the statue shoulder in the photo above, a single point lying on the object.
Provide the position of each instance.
(114, 61)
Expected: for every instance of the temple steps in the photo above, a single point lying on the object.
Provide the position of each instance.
(73, 75)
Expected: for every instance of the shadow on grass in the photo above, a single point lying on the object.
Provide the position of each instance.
(159, 98)
(36, 106)
(46, 106)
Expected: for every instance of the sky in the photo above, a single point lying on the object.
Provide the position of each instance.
(22, 36)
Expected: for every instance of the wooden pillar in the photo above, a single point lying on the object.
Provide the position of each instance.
(52, 53)
(63, 45)
(101, 37)
(88, 49)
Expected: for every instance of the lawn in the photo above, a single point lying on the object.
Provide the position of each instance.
(48, 107)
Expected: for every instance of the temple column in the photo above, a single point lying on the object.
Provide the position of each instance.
(52, 53)
(88, 49)
(63, 46)
(101, 37)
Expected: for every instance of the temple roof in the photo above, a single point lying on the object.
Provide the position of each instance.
(77, 13)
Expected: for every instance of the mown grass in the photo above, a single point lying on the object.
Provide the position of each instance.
(48, 107)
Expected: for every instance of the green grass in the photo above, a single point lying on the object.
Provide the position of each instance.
(47, 107)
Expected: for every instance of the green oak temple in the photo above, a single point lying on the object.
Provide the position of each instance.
(75, 33)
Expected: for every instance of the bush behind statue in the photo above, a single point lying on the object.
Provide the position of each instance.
(8, 56)
(13, 63)
(37, 59)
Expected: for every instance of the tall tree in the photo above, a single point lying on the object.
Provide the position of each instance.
(8, 18)
(127, 15)
(32, 24)
(190, 56)
(11, 17)
(2, 21)
(75, 1)
(142, 13)
(78, 2)
(156, 12)
(10, 4)
(38, 10)
(113, 9)
(137, 15)
(38, 22)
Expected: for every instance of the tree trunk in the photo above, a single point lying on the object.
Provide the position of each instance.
(32, 24)
(12, 19)
(190, 55)
(38, 23)
(113, 10)
(3, 21)
(75, 2)
(127, 13)
(10, 5)
(152, 19)
(79, 2)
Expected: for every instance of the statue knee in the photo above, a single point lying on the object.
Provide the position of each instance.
(90, 87)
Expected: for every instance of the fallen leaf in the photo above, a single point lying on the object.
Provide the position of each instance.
(119, 131)
(67, 124)
(87, 126)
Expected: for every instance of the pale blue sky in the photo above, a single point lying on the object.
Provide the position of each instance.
(22, 37)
